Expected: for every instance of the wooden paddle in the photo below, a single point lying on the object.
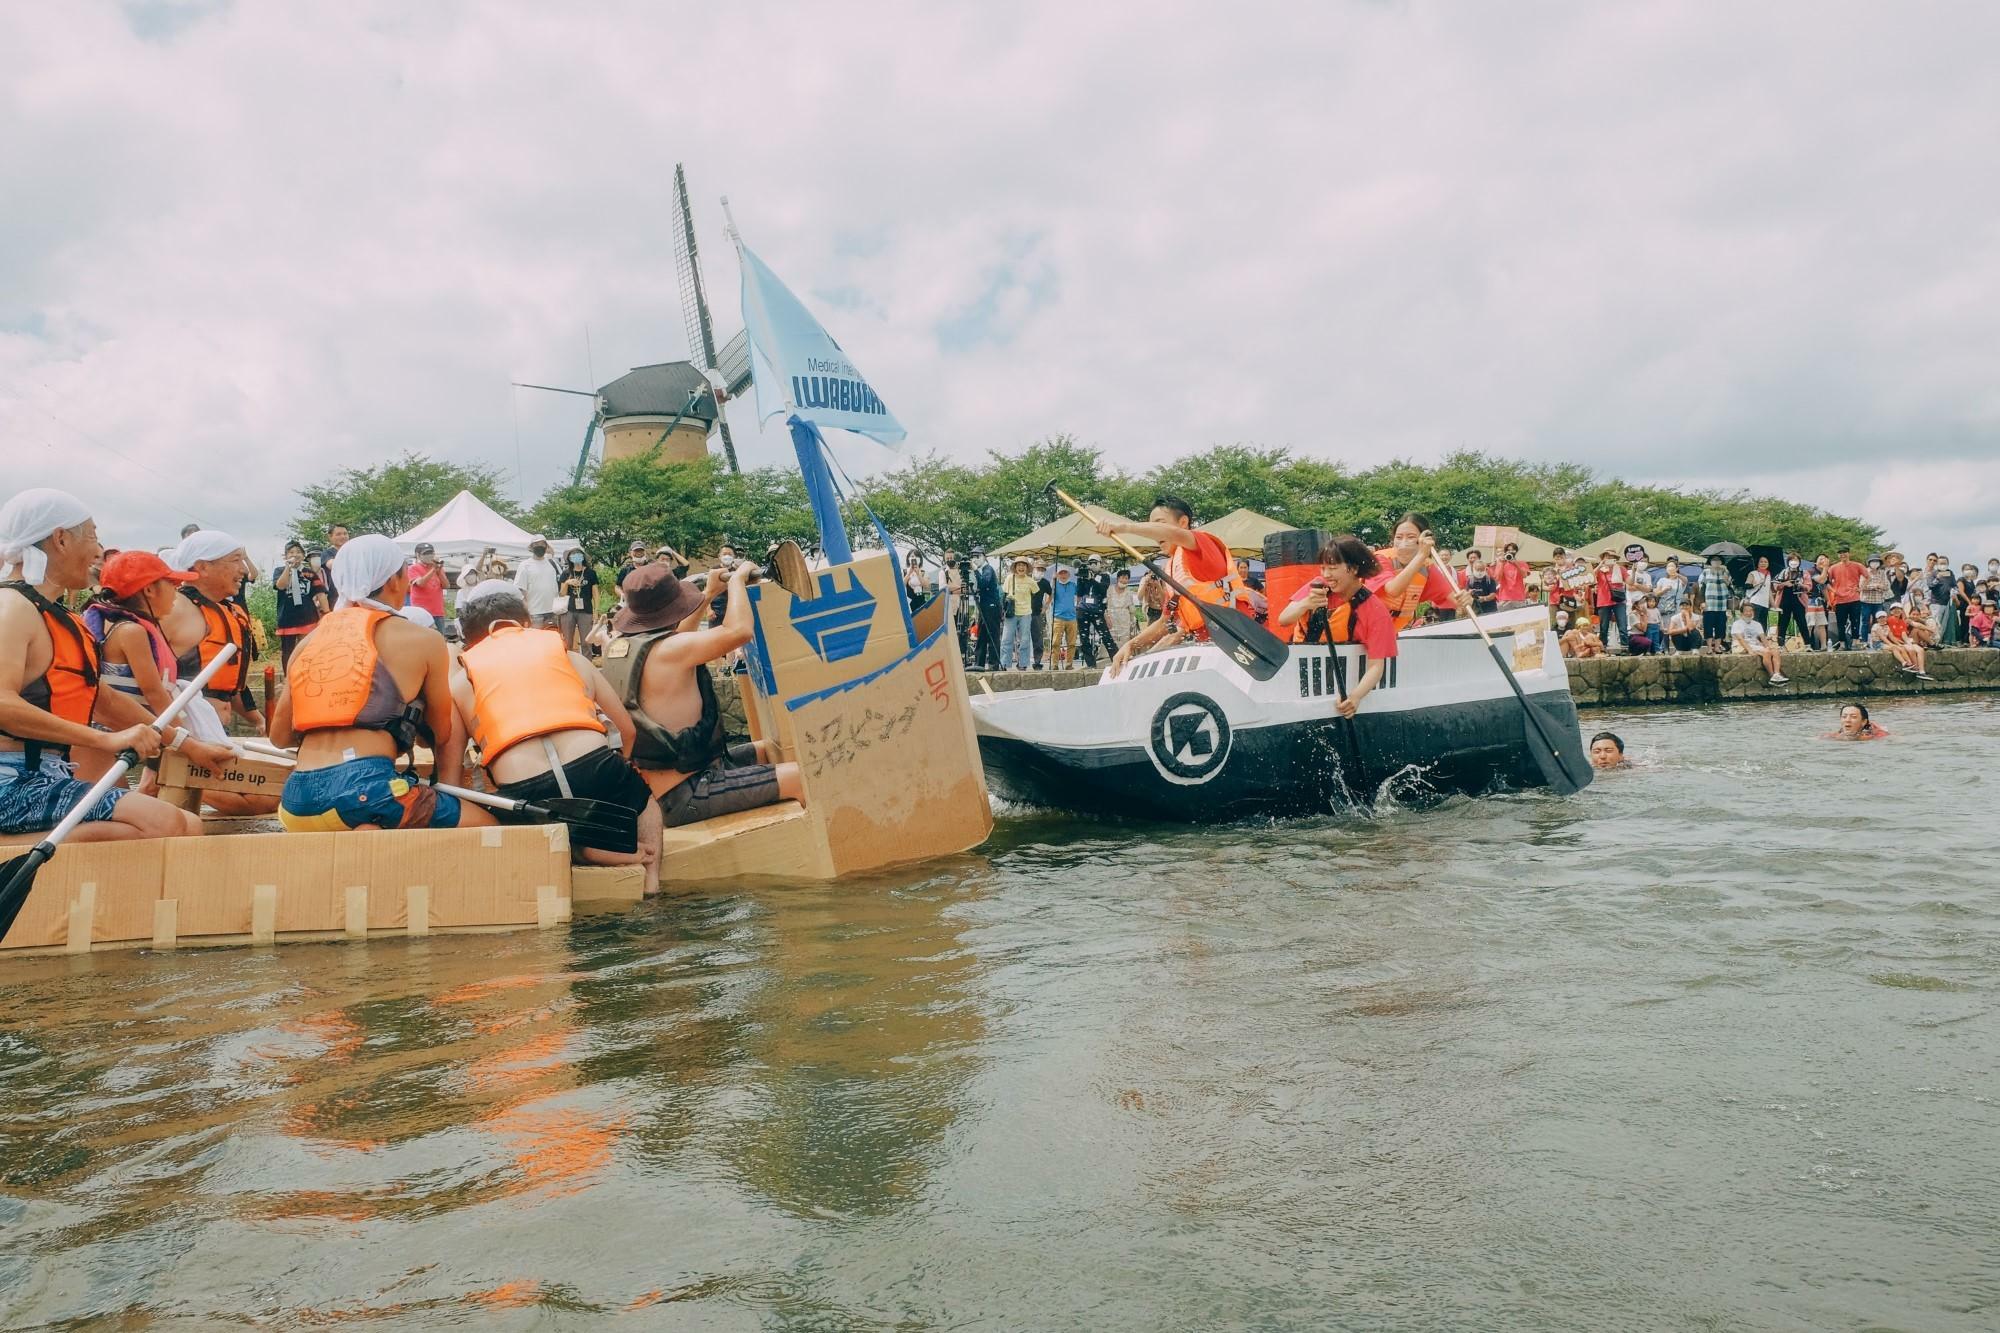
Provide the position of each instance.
(20, 881)
(1563, 768)
(1258, 651)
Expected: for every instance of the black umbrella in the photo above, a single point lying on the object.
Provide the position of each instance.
(1727, 550)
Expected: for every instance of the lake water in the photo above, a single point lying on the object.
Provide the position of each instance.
(1710, 1046)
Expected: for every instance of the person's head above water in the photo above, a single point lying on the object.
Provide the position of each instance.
(1607, 750)
(1855, 725)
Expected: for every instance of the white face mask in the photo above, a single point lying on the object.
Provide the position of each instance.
(1791, 564)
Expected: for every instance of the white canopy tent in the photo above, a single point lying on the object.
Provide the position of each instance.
(464, 529)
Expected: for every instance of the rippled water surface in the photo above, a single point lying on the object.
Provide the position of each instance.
(1712, 1045)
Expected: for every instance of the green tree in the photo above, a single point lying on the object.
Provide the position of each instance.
(394, 497)
(691, 505)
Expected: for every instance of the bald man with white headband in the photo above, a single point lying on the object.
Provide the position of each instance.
(359, 685)
(49, 688)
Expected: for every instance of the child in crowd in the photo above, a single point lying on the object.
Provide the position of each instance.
(1748, 636)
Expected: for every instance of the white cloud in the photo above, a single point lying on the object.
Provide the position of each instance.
(245, 244)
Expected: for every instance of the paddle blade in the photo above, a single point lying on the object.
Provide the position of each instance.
(17, 881)
(598, 824)
(1249, 644)
(1559, 756)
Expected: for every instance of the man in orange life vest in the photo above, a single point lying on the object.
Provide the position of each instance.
(1340, 607)
(49, 683)
(210, 615)
(1197, 560)
(360, 685)
(532, 707)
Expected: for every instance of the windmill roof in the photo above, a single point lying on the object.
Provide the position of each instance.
(658, 391)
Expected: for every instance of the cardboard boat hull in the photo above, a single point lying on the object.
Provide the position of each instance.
(1185, 734)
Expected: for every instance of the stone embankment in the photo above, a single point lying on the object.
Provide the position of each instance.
(1623, 682)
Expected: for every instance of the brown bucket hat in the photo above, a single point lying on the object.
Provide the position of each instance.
(654, 599)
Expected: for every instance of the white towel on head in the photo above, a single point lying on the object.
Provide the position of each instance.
(486, 588)
(363, 566)
(207, 544)
(30, 517)
(416, 615)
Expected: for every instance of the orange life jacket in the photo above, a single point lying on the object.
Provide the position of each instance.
(1407, 607)
(222, 622)
(332, 672)
(1213, 591)
(68, 688)
(523, 686)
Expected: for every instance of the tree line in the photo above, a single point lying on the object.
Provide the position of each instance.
(942, 504)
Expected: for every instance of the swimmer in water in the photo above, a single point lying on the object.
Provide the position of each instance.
(1607, 750)
(1855, 726)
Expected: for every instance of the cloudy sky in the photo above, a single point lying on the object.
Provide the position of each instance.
(244, 243)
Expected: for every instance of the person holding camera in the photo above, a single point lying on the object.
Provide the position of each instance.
(578, 591)
(301, 591)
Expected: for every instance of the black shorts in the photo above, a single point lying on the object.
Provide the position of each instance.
(602, 775)
(733, 783)
(1715, 624)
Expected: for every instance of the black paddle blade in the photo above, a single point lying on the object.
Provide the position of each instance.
(17, 881)
(598, 824)
(1563, 765)
(1249, 644)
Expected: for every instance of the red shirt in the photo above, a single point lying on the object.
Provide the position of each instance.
(1512, 576)
(1374, 628)
(1434, 587)
(427, 588)
(1844, 580)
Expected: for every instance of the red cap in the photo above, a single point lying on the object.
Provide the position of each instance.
(127, 572)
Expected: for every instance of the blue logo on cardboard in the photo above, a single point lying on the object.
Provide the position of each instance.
(835, 624)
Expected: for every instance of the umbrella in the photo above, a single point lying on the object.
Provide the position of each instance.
(1727, 550)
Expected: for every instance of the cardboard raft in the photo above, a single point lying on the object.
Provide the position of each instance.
(871, 704)
(262, 888)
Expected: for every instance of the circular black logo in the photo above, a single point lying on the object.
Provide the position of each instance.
(1190, 739)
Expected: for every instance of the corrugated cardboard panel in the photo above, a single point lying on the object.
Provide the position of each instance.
(608, 886)
(215, 882)
(472, 881)
(127, 876)
(777, 842)
(891, 767)
(256, 777)
(852, 625)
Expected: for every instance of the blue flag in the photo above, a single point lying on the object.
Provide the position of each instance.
(798, 368)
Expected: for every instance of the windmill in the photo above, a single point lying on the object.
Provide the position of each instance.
(652, 405)
(694, 302)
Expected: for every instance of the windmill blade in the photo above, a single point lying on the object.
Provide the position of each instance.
(694, 301)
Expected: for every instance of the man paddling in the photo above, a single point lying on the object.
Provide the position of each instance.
(359, 686)
(49, 683)
(1197, 560)
(532, 706)
(210, 615)
(659, 666)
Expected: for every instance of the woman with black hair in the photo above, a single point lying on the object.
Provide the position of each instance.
(1339, 608)
(1856, 726)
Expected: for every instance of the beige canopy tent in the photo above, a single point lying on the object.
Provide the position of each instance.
(1071, 534)
(1244, 530)
(1656, 551)
(1489, 538)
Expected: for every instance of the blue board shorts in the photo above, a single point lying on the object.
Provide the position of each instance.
(36, 800)
(360, 791)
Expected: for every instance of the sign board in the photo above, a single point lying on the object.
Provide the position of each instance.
(258, 777)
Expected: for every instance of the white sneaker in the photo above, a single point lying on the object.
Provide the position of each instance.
(1780, 679)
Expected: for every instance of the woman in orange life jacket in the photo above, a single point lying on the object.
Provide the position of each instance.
(356, 690)
(1353, 612)
(49, 683)
(1197, 560)
(532, 706)
(1410, 539)
(139, 590)
(210, 615)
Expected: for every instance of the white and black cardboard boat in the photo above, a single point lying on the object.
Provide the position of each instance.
(1185, 733)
